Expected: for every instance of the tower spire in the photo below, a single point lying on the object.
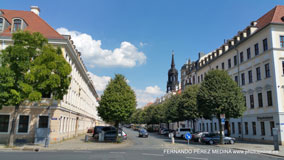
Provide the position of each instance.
(173, 60)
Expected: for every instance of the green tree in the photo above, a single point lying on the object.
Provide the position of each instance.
(118, 101)
(219, 94)
(187, 108)
(171, 107)
(29, 69)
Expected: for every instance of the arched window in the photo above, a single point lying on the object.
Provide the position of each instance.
(17, 24)
(1, 24)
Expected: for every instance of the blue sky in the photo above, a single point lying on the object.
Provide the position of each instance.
(146, 31)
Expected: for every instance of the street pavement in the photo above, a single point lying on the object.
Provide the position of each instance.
(155, 147)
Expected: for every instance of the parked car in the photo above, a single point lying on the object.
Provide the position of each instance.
(143, 133)
(180, 132)
(99, 129)
(196, 137)
(110, 135)
(164, 131)
(213, 138)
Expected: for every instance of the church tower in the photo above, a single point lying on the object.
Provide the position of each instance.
(172, 84)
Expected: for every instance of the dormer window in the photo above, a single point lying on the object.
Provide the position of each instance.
(1, 24)
(17, 25)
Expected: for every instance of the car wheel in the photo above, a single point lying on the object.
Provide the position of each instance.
(232, 142)
(211, 142)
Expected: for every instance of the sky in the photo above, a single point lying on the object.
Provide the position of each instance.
(136, 37)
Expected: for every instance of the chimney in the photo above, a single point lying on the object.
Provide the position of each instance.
(35, 9)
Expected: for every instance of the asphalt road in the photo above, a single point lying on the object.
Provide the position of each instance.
(154, 147)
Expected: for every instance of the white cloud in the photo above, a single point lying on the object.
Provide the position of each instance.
(125, 56)
(149, 94)
(99, 82)
(154, 90)
(142, 44)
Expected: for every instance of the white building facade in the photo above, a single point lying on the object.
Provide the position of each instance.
(254, 58)
(73, 115)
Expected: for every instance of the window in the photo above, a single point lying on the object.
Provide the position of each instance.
(236, 79)
(23, 126)
(248, 53)
(207, 129)
(200, 126)
(251, 101)
(223, 66)
(198, 79)
(250, 76)
(245, 99)
(242, 57)
(215, 126)
(233, 127)
(258, 74)
(43, 122)
(1, 24)
(203, 127)
(4, 123)
(246, 128)
(283, 67)
(229, 63)
(260, 103)
(265, 46)
(271, 127)
(253, 128)
(217, 67)
(235, 60)
(269, 98)
(256, 50)
(243, 78)
(193, 79)
(282, 41)
(211, 127)
(240, 127)
(201, 77)
(267, 70)
(17, 24)
(262, 126)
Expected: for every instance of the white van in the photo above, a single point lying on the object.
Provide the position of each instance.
(180, 132)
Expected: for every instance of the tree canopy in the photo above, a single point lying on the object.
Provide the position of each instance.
(118, 101)
(219, 94)
(31, 68)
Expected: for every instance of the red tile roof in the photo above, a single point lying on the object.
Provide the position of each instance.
(273, 16)
(33, 21)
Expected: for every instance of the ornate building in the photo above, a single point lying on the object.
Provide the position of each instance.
(172, 84)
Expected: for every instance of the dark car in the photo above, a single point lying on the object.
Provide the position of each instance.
(143, 133)
(99, 129)
(110, 135)
(196, 137)
(213, 138)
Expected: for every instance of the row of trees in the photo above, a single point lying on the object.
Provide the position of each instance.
(217, 94)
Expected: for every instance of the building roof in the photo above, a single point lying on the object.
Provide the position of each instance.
(33, 21)
(273, 16)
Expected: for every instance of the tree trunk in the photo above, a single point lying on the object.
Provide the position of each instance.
(221, 131)
(193, 125)
(12, 131)
(117, 128)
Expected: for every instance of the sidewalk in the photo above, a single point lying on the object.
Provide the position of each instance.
(253, 148)
(77, 143)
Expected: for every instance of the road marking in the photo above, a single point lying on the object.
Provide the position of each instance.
(197, 158)
(118, 152)
(82, 151)
(149, 154)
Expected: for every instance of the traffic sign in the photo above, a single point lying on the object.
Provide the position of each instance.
(188, 136)
(222, 116)
(222, 120)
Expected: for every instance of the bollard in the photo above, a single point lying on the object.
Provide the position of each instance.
(86, 138)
